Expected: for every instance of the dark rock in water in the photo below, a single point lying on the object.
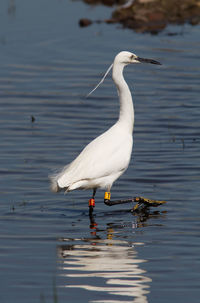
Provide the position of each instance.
(152, 15)
(195, 20)
(85, 22)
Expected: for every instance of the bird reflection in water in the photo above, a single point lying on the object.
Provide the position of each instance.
(110, 266)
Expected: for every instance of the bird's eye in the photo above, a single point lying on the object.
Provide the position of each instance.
(131, 57)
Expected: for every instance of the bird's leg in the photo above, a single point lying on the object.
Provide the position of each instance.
(108, 202)
(92, 202)
(139, 200)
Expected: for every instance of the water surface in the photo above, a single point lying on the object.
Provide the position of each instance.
(49, 246)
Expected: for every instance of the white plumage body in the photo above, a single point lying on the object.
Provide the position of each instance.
(96, 167)
(106, 158)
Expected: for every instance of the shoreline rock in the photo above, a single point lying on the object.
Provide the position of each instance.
(151, 15)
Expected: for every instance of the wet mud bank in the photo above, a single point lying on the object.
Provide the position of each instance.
(149, 15)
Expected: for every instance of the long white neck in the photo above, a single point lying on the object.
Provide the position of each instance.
(126, 114)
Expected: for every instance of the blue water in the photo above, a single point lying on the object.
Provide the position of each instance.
(50, 250)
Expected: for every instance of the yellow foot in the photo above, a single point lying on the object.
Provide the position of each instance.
(136, 207)
(148, 202)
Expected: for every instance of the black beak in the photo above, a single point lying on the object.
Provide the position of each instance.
(147, 61)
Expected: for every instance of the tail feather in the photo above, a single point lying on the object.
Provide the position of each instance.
(54, 184)
(55, 181)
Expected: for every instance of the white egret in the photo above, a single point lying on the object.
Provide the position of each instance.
(107, 157)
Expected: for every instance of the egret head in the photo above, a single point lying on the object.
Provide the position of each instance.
(126, 58)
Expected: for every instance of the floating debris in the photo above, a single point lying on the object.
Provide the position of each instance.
(85, 22)
(32, 119)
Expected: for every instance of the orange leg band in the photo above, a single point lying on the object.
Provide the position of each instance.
(92, 202)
